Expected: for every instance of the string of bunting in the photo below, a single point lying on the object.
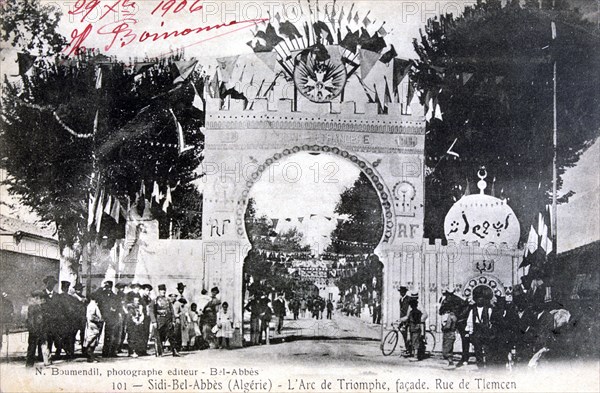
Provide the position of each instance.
(58, 119)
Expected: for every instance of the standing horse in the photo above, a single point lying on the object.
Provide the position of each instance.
(460, 307)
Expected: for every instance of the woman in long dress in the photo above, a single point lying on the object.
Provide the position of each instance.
(225, 325)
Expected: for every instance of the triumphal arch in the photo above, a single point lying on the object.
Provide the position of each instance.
(243, 141)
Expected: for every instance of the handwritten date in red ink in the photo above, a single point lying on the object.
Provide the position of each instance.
(86, 7)
(176, 6)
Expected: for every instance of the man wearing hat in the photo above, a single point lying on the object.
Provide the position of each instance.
(179, 311)
(52, 311)
(110, 308)
(404, 303)
(479, 328)
(279, 311)
(49, 284)
(162, 319)
(81, 317)
(146, 302)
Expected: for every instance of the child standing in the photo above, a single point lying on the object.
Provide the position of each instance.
(225, 325)
(449, 336)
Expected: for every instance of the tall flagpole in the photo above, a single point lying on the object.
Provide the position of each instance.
(555, 151)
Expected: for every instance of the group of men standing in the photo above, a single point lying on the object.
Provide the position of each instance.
(120, 312)
(262, 310)
(502, 330)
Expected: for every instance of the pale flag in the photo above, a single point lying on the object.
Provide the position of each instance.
(180, 141)
(115, 212)
(532, 241)
(99, 208)
(168, 200)
(90, 220)
(156, 192)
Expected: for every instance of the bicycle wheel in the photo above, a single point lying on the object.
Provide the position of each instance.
(388, 345)
(429, 342)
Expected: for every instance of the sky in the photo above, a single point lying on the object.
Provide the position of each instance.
(304, 185)
(578, 220)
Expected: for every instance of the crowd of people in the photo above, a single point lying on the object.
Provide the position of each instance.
(311, 307)
(126, 318)
(503, 330)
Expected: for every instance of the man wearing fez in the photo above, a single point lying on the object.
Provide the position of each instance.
(163, 322)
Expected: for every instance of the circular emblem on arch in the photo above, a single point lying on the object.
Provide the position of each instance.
(319, 73)
(488, 284)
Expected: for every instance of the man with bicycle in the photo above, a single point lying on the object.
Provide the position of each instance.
(404, 303)
(415, 323)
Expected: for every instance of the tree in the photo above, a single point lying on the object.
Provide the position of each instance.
(95, 127)
(491, 70)
(365, 218)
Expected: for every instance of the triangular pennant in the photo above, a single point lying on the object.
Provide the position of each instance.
(197, 103)
(367, 61)
(466, 77)
(274, 221)
(185, 69)
(25, 61)
(226, 65)
(141, 67)
(268, 58)
(300, 219)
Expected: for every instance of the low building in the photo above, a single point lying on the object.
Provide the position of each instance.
(28, 253)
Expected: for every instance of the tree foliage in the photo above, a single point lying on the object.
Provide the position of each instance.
(365, 218)
(491, 71)
(77, 126)
(30, 27)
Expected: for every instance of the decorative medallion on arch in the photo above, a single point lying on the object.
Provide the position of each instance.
(367, 168)
(484, 280)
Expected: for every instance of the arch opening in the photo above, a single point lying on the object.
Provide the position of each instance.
(314, 217)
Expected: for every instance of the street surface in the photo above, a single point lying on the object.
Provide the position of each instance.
(349, 353)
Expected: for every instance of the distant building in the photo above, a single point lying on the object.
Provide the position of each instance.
(28, 253)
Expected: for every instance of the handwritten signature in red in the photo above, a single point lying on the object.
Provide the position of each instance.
(123, 33)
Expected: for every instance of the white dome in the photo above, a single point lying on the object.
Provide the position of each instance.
(482, 218)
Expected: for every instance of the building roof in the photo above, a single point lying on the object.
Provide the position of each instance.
(10, 226)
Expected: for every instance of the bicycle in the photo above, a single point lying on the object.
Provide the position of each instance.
(390, 342)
